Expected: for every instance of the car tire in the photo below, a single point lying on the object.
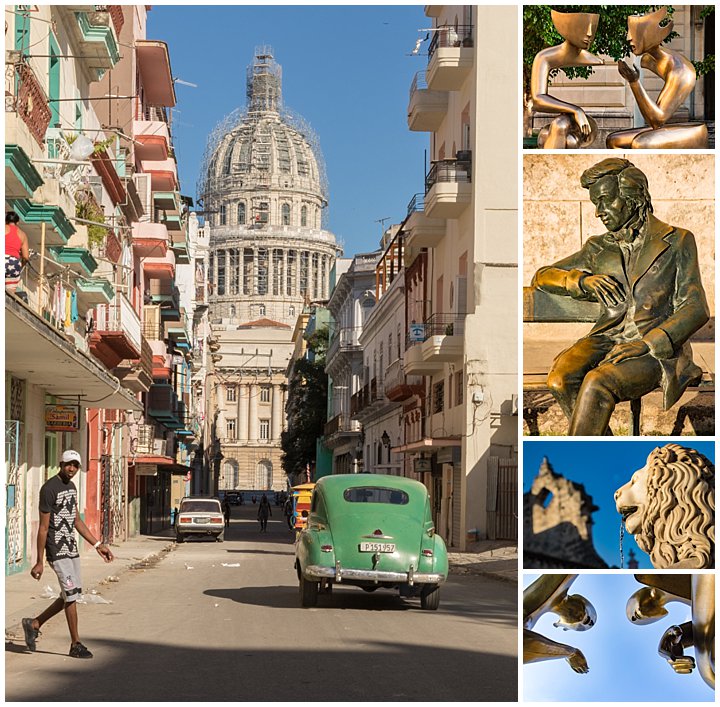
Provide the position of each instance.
(179, 538)
(308, 592)
(430, 597)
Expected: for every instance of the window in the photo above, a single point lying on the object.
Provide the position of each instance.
(438, 397)
(261, 310)
(373, 494)
(265, 394)
(459, 389)
(264, 429)
(223, 217)
(229, 479)
(241, 215)
(231, 394)
(286, 214)
(263, 475)
(291, 311)
(303, 216)
(230, 430)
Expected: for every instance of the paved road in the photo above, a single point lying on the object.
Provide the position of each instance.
(190, 628)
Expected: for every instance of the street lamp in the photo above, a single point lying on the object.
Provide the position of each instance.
(385, 439)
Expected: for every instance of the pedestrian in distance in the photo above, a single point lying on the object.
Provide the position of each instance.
(264, 510)
(59, 520)
(226, 511)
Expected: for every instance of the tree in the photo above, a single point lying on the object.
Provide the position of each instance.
(306, 405)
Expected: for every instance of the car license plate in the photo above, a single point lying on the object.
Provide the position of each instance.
(202, 520)
(377, 547)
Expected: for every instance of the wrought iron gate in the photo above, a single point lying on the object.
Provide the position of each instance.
(502, 508)
(15, 499)
(113, 508)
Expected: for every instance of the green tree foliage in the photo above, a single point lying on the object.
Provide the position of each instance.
(306, 406)
(610, 39)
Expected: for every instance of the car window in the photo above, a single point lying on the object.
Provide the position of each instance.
(200, 506)
(374, 494)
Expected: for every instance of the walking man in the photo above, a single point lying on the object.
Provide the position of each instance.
(56, 538)
(263, 511)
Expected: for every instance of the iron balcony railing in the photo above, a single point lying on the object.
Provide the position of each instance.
(119, 315)
(419, 82)
(450, 36)
(447, 171)
(341, 423)
(416, 204)
(443, 324)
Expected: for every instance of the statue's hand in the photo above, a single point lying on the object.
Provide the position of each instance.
(629, 73)
(577, 662)
(624, 351)
(583, 123)
(671, 648)
(684, 665)
(605, 288)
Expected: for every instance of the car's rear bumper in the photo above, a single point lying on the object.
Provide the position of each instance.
(338, 574)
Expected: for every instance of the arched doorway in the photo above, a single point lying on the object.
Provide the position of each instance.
(263, 475)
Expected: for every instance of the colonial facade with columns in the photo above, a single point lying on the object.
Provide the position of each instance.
(264, 195)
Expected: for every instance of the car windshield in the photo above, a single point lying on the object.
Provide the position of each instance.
(201, 506)
(373, 494)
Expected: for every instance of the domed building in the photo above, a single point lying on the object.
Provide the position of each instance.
(264, 194)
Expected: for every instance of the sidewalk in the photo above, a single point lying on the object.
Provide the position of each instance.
(23, 593)
(493, 558)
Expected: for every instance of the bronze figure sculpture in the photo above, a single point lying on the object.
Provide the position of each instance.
(645, 275)
(572, 128)
(669, 506)
(549, 593)
(647, 605)
(646, 35)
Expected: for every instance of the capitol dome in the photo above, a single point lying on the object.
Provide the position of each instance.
(264, 194)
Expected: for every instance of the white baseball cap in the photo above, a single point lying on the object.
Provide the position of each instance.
(70, 455)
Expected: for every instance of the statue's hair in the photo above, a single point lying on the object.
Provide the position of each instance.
(679, 519)
(631, 181)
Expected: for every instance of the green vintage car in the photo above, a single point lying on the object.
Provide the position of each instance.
(371, 531)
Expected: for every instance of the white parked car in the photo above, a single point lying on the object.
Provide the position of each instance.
(199, 516)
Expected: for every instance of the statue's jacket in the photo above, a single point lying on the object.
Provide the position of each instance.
(664, 291)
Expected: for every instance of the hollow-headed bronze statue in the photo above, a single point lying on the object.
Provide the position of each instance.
(645, 275)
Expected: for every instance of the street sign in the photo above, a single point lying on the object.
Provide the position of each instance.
(62, 418)
(422, 465)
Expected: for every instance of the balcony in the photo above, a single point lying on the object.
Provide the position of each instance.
(340, 430)
(421, 231)
(150, 240)
(95, 38)
(153, 60)
(373, 399)
(160, 268)
(30, 104)
(21, 177)
(166, 294)
(450, 57)
(147, 443)
(163, 174)
(426, 109)
(346, 340)
(163, 404)
(179, 248)
(444, 338)
(137, 374)
(398, 386)
(79, 260)
(448, 189)
(152, 140)
(117, 332)
(202, 293)
(415, 364)
(176, 333)
(92, 291)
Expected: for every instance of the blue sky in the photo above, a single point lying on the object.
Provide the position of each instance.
(623, 660)
(345, 71)
(603, 467)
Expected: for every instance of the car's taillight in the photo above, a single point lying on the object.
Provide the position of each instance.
(427, 553)
(185, 519)
(216, 520)
(326, 548)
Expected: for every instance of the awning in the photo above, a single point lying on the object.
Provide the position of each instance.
(35, 351)
(428, 444)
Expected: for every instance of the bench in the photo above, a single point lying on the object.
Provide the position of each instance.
(543, 307)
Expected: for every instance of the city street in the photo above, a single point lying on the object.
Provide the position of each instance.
(197, 627)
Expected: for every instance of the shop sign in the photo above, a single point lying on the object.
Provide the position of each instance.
(422, 465)
(62, 418)
(416, 333)
(146, 470)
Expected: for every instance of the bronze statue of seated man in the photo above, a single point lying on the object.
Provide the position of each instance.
(646, 277)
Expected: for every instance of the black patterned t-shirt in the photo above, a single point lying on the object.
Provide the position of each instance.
(59, 499)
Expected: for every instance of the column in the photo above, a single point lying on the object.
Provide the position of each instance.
(271, 272)
(277, 411)
(253, 412)
(254, 289)
(283, 398)
(243, 412)
(284, 289)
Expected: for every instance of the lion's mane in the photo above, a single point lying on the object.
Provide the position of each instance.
(679, 520)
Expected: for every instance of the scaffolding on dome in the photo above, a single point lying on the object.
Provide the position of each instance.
(264, 96)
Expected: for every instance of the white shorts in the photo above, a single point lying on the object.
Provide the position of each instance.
(67, 570)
